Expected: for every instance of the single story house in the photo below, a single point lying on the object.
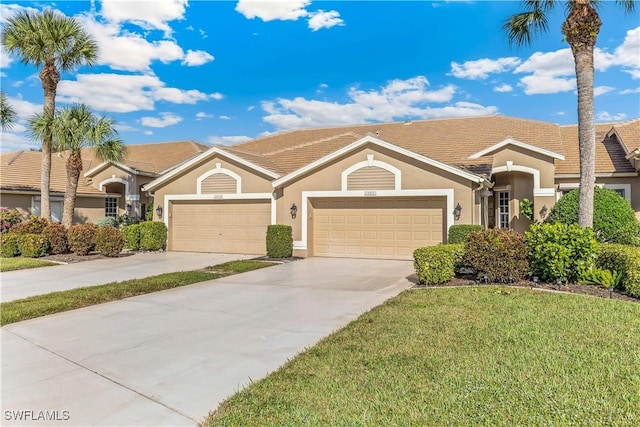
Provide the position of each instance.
(104, 190)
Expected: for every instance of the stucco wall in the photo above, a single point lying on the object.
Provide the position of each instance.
(88, 209)
(22, 202)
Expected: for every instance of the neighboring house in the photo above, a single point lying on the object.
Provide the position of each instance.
(104, 189)
(381, 190)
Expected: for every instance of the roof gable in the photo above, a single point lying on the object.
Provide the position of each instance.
(516, 143)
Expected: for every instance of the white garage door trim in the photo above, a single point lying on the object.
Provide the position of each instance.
(447, 192)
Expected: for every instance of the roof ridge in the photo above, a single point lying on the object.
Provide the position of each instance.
(307, 144)
(13, 159)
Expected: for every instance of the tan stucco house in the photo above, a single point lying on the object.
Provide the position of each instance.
(381, 190)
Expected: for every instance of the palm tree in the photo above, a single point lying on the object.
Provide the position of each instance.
(7, 113)
(52, 42)
(580, 29)
(74, 128)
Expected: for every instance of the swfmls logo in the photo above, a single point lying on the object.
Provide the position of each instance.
(31, 415)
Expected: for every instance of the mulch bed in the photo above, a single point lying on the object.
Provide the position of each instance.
(73, 258)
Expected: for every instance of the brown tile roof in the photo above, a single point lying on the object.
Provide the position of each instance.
(629, 133)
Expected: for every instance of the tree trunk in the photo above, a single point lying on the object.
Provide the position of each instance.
(74, 168)
(581, 30)
(49, 76)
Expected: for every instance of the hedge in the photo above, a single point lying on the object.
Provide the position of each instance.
(497, 255)
(458, 233)
(131, 235)
(624, 259)
(279, 241)
(153, 235)
(437, 264)
(33, 245)
(34, 225)
(56, 235)
(82, 238)
(9, 245)
(109, 241)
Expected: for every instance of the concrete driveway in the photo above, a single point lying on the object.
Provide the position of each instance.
(38, 281)
(168, 358)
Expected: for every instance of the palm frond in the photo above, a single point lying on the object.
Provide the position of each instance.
(7, 113)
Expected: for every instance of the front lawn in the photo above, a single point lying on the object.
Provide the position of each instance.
(19, 263)
(461, 356)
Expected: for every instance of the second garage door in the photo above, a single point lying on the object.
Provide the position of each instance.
(235, 226)
(376, 228)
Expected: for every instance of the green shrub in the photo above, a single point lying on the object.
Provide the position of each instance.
(437, 264)
(279, 241)
(605, 278)
(526, 209)
(498, 255)
(109, 241)
(9, 245)
(459, 233)
(131, 235)
(560, 251)
(625, 259)
(9, 218)
(82, 238)
(33, 245)
(148, 215)
(108, 221)
(56, 235)
(34, 225)
(153, 235)
(614, 219)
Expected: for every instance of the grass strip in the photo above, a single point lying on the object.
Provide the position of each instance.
(19, 263)
(464, 356)
(240, 266)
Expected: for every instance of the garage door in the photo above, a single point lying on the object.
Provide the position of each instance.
(376, 228)
(235, 226)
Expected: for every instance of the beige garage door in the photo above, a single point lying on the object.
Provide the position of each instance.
(235, 226)
(376, 228)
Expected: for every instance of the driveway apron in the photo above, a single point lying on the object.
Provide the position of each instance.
(168, 358)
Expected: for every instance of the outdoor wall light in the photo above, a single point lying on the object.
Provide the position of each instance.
(457, 211)
(294, 211)
(543, 211)
(159, 211)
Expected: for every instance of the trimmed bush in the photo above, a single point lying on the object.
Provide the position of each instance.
(279, 241)
(498, 255)
(9, 245)
(56, 235)
(82, 238)
(131, 235)
(459, 233)
(437, 264)
(109, 241)
(624, 259)
(108, 221)
(33, 245)
(153, 235)
(34, 225)
(560, 251)
(9, 218)
(614, 219)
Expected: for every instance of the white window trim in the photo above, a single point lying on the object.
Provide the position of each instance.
(573, 185)
(447, 192)
(220, 170)
(625, 187)
(508, 193)
(37, 200)
(370, 162)
(112, 180)
(537, 191)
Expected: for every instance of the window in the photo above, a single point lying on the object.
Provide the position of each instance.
(503, 209)
(111, 207)
(55, 204)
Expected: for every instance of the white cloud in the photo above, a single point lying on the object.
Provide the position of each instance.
(285, 10)
(24, 109)
(5, 58)
(225, 118)
(193, 58)
(12, 141)
(398, 99)
(217, 96)
(124, 93)
(165, 119)
(123, 127)
(481, 68)
(605, 116)
(148, 132)
(322, 19)
(227, 140)
(627, 55)
(251, 107)
(503, 88)
(601, 90)
(202, 115)
(628, 91)
(149, 15)
(543, 84)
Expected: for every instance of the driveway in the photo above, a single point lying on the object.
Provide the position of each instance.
(168, 358)
(37, 281)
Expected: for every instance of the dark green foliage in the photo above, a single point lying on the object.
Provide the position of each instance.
(279, 241)
(605, 278)
(560, 251)
(56, 235)
(437, 264)
(109, 221)
(82, 238)
(526, 208)
(153, 235)
(148, 215)
(9, 245)
(459, 233)
(498, 255)
(33, 245)
(624, 259)
(131, 235)
(109, 241)
(614, 219)
(35, 225)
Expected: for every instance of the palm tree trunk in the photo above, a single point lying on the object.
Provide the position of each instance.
(74, 168)
(49, 76)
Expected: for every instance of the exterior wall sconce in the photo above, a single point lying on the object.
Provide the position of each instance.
(457, 211)
(543, 211)
(294, 211)
(159, 211)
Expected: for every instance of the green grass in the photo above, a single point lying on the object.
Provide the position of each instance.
(466, 356)
(240, 266)
(19, 263)
(57, 302)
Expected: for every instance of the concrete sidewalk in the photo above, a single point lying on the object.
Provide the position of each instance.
(168, 358)
(37, 281)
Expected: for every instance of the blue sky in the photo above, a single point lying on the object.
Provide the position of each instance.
(221, 72)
